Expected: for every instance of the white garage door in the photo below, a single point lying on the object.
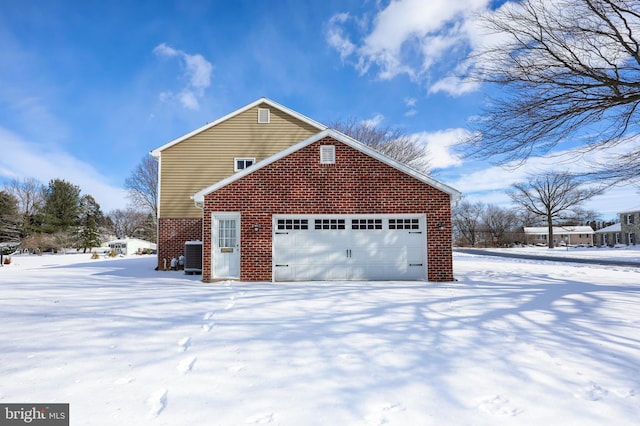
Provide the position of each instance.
(349, 247)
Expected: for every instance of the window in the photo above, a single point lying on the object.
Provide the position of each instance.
(366, 224)
(404, 224)
(264, 116)
(242, 163)
(327, 154)
(329, 224)
(227, 233)
(630, 219)
(284, 224)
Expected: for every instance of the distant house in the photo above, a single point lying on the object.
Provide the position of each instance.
(609, 236)
(130, 246)
(630, 225)
(562, 235)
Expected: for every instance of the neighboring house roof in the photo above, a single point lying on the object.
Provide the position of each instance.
(611, 228)
(132, 240)
(543, 230)
(340, 137)
(156, 152)
(631, 210)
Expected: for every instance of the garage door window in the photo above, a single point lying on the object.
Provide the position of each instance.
(329, 224)
(366, 224)
(404, 224)
(284, 224)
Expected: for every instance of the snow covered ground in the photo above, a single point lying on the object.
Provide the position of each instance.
(512, 342)
(622, 252)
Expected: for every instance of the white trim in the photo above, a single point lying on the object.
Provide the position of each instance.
(216, 216)
(198, 197)
(156, 152)
(159, 160)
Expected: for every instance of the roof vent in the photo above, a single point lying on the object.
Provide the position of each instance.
(327, 154)
(263, 115)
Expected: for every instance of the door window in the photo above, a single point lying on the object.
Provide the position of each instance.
(227, 233)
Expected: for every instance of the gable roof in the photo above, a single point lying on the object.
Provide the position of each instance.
(616, 227)
(156, 152)
(198, 197)
(558, 229)
(631, 210)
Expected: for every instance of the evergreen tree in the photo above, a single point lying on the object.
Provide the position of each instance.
(89, 235)
(62, 206)
(90, 217)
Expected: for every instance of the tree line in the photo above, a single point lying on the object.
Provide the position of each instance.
(551, 199)
(58, 216)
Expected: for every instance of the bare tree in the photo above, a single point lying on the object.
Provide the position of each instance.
(29, 194)
(499, 223)
(553, 196)
(132, 223)
(143, 185)
(467, 224)
(9, 218)
(569, 69)
(389, 141)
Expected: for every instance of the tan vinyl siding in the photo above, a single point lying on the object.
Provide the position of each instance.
(207, 157)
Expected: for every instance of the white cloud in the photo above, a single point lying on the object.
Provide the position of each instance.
(336, 35)
(23, 159)
(374, 121)
(408, 37)
(440, 146)
(197, 72)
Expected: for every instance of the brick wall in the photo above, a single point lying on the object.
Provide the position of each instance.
(173, 233)
(299, 184)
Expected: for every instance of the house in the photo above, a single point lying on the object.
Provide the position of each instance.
(608, 236)
(131, 246)
(562, 235)
(280, 197)
(630, 226)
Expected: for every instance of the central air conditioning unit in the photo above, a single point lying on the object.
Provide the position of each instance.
(193, 257)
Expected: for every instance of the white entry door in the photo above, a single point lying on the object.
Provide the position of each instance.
(226, 245)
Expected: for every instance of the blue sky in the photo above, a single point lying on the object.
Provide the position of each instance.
(88, 88)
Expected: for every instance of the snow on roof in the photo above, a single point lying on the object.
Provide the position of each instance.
(543, 230)
(631, 210)
(611, 228)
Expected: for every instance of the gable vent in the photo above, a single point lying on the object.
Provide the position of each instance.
(263, 115)
(327, 154)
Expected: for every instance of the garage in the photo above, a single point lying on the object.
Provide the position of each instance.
(349, 247)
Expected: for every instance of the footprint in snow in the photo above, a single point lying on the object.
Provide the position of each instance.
(207, 327)
(380, 418)
(124, 381)
(260, 418)
(593, 392)
(186, 365)
(208, 316)
(498, 406)
(184, 344)
(157, 402)
(229, 305)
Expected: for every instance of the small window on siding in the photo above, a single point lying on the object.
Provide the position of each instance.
(264, 115)
(327, 154)
(242, 163)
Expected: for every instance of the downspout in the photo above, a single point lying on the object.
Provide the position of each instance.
(200, 205)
